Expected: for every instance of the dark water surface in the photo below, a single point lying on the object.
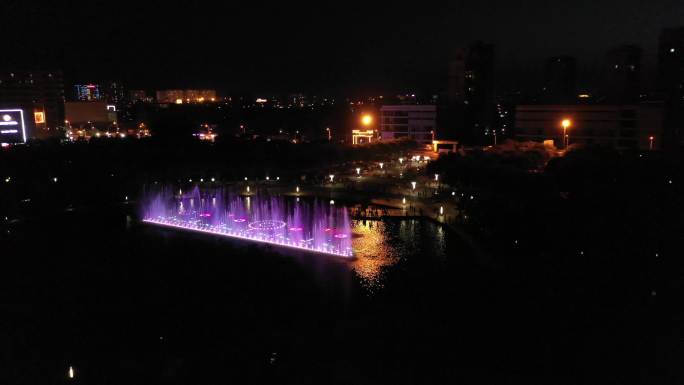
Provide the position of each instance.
(125, 303)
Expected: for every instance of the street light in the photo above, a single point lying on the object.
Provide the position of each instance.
(331, 177)
(329, 133)
(70, 372)
(366, 120)
(566, 123)
(381, 165)
(401, 160)
(413, 185)
(436, 177)
(358, 171)
(650, 143)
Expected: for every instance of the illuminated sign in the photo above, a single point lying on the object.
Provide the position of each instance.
(39, 117)
(12, 128)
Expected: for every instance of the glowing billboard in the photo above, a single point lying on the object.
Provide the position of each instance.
(12, 128)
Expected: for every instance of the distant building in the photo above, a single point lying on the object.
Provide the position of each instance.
(636, 126)
(40, 97)
(137, 96)
(88, 92)
(100, 115)
(560, 80)
(622, 74)
(185, 96)
(416, 122)
(114, 93)
(470, 95)
(671, 81)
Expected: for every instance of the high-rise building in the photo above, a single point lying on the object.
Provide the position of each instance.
(88, 92)
(560, 80)
(40, 96)
(671, 82)
(622, 74)
(114, 93)
(470, 98)
(416, 122)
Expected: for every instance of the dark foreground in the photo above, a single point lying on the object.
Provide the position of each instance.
(129, 304)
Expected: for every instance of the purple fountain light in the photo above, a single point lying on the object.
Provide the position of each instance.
(310, 226)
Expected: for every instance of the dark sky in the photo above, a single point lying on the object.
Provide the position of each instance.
(288, 46)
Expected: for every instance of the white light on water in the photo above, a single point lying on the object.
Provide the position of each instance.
(70, 373)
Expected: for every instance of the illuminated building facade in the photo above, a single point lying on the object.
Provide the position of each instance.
(40, 95)
(416, 122)
(88, 92)
(637, 126)
(362, 136)
(186, 96)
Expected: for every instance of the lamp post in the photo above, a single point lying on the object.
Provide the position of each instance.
(650, 143)
(329, 133)
(331, 176)
(566, 123)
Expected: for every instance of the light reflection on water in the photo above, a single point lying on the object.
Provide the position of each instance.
(380, 244)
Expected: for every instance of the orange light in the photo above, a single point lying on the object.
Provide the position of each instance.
(366, 120)
(566, 123)
(39, 117)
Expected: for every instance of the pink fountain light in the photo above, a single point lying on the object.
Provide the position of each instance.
(307, 226)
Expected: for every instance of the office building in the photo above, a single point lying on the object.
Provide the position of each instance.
(138, 96)
(671, 82)
(40, 97)
(636, 126)
(622, 75)
(470, 96)
(88, 92)
(415, 122)
(560, 80)
(186, 96)
(98, 114)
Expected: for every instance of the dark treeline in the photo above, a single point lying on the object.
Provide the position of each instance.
(102, 171)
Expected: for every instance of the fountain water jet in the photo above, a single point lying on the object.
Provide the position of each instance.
(309, 226)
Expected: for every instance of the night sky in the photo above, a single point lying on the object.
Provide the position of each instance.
(338, 46)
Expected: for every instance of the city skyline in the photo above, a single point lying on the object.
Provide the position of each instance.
(372, 49)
